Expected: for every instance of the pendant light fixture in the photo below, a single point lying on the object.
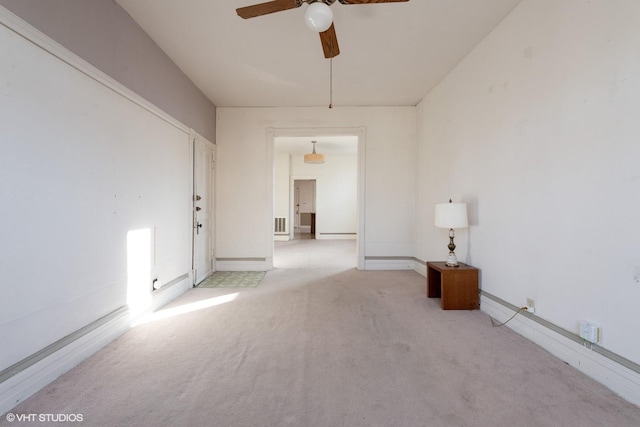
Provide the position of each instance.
(314, 158)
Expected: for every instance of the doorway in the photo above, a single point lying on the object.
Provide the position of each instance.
(285, 149)
(304, 202)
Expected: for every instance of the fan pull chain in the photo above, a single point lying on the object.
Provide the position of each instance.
(330, 82)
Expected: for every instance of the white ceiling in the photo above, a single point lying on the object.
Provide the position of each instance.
(391, 54)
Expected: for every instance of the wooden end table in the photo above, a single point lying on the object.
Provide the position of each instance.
(456, 286)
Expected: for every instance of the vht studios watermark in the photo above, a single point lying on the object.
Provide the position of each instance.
(45, 418)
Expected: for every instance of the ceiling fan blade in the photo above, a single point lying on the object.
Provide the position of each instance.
(266, 8)
(369, 1)
(330, 42)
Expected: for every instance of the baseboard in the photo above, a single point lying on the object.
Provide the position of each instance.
(281, 237)
(420, 267)
(388, 263)
(242, 264)
(28, 376)
(336, 236)
(171, 291)
(596, 363)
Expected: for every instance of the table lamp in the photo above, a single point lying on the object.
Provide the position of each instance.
(451, 215)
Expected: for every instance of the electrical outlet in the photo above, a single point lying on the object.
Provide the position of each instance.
(531, 305)
(591, 332)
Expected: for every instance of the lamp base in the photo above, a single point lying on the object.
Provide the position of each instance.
(452, 261)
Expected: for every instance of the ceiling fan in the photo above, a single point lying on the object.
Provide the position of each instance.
(318, 17)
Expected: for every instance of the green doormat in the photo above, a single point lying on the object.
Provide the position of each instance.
(233, 279)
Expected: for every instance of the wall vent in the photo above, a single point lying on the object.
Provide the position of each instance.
(280, 225)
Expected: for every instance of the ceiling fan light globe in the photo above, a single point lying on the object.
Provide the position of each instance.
(318, 17)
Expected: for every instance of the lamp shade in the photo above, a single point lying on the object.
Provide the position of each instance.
(318, 16)
(451, 215)
(314, 158)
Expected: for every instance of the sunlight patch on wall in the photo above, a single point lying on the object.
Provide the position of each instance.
(139, 270)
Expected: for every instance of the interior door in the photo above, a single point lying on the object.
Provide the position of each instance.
(203, 164)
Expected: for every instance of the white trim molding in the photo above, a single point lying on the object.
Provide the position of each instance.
(171, 291)
(337, 236)
(28, 376)
(420, 267)
(27, 31)
(388, 263)
(618, 374)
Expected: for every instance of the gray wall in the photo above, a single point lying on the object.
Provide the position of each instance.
(104, 35)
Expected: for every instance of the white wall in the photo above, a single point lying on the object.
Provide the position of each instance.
(281, 168)
(336, 194)
(244, 219)
(82, 167)
(537, 129)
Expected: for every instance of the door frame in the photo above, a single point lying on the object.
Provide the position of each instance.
(361, 133)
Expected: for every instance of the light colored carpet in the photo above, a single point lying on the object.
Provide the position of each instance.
(233, 279)
(319, 343)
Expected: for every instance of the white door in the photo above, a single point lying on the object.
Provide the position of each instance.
(203, 163)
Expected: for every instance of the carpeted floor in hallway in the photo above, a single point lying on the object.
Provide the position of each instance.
(319, 343)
